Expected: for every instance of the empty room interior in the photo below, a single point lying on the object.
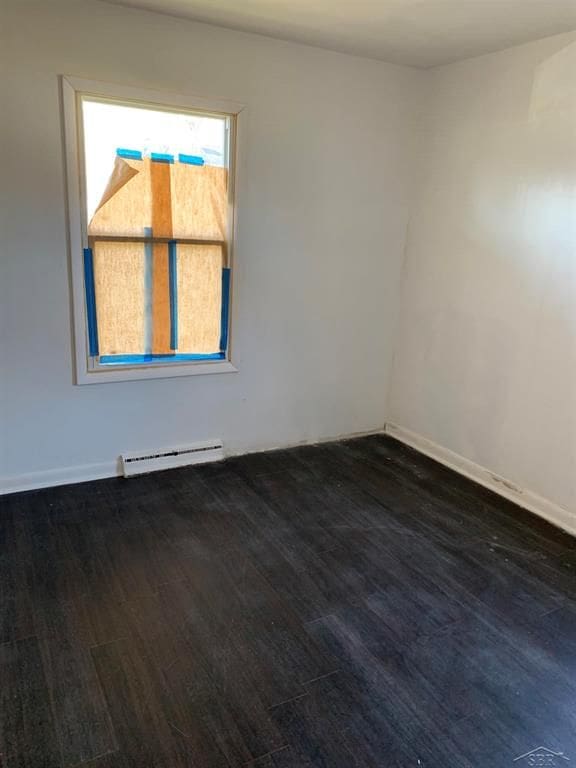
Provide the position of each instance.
(287, 383)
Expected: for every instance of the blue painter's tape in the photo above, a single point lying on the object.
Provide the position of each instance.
(130, 154)
(225, 316)
(140, 359)
(90, 302)
(159, 157)
(173, 287)
(148, 280)
(191, 159)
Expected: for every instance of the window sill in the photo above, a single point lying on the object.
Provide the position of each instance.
(112, 373)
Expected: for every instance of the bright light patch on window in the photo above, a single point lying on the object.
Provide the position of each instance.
(108, 127)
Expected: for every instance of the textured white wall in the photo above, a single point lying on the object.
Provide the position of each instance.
(323, 212)
(485, 361)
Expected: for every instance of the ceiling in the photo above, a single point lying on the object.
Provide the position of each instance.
(421, 33)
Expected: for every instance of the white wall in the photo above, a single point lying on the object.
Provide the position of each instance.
(323, 211)
(485, 355)
(485, 361)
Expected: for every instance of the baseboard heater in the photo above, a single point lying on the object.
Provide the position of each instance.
(155, 461)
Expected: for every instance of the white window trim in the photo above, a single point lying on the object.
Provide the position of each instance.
(72, 89)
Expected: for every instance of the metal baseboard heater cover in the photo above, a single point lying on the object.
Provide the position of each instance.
(170, 458)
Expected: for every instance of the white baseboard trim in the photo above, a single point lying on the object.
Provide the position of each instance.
(85, 472)
(63, 476)
(553, 513)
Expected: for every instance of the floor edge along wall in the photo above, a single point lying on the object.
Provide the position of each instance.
(553, 513)
(85, 472)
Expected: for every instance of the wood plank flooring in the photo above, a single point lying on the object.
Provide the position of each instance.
(347, 605)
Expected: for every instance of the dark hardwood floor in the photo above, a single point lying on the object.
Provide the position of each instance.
(347, 605)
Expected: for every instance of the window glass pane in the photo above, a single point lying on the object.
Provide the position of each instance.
(119, 275)
(200, 297)
(108, 127)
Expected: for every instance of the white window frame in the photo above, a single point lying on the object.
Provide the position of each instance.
(73, 89)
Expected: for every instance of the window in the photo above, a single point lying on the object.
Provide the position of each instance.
(151, 191)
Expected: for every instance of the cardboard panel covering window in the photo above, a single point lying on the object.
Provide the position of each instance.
(156, 267)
